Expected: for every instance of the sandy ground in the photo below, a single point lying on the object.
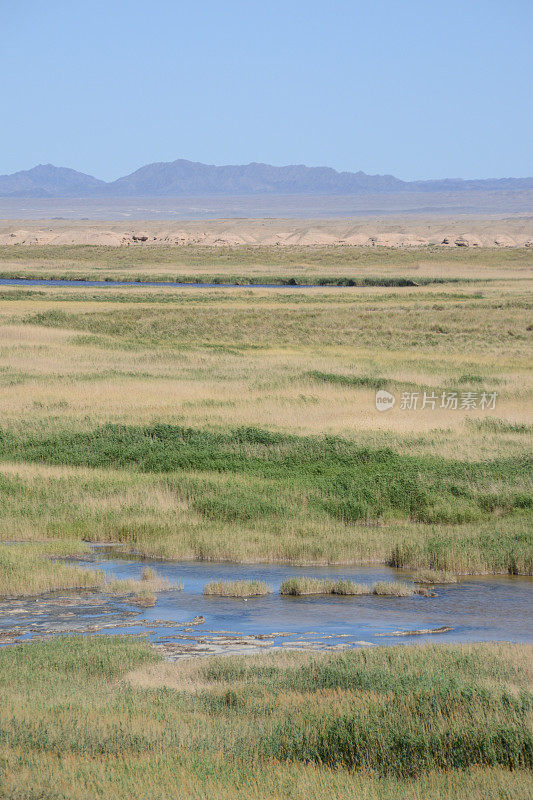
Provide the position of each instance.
(405, 231)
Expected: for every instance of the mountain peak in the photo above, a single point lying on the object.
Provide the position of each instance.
(47, 180)
(189, 178)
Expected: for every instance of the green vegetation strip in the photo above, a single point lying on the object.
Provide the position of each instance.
(341, 479)
(356, 381)
(479, 325)
(295, 256)
(240, 280)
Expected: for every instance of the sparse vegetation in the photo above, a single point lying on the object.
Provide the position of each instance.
(144, 599)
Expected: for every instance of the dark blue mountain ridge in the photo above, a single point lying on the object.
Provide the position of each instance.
(189, 178)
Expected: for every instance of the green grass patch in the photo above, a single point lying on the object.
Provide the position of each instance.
(353, 381)
(127, 258)
(410, 322)
(345, 481)
(239, 279)
(69, 720)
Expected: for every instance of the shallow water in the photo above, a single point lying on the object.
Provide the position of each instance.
(150, 284)
(476, 608)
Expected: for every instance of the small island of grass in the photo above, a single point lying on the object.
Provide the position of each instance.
(237, 588)
(298, 587)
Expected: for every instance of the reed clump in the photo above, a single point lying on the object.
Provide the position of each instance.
(392, 589)
(149, 582)
(32, 568)
(237, 588)
(349, 588)
(144, 599)
(306, 586)
(434, 576)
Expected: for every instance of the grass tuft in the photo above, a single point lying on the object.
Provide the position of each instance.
(144, 599)
(349, 588)
(237, 588)
(392, 589)
(302, 586)
(434, 576)
(305, 586)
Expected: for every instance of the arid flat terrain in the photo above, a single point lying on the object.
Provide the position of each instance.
(261, 206)
(401, 231)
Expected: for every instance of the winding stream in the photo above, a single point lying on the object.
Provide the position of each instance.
(160, 284)
(476, 609)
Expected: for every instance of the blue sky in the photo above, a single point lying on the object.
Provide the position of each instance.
(416, 88)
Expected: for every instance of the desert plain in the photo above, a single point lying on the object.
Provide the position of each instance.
(513, 230)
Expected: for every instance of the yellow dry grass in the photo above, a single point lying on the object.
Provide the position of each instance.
(53, 376)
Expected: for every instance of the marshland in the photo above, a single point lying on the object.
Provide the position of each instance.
(230, 436)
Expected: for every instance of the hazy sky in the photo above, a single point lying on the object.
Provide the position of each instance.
(416, 88)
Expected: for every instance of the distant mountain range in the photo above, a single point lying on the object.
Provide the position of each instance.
(186, 178)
